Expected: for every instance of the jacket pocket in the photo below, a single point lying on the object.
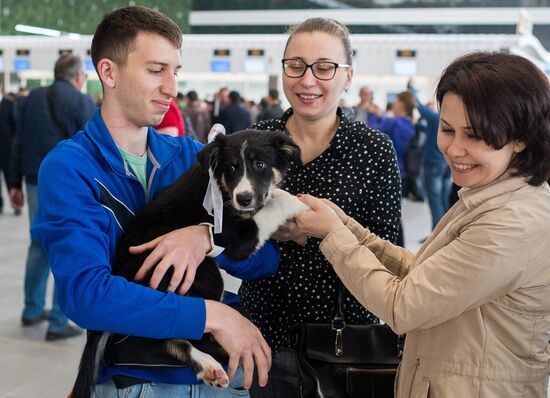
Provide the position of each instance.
(424, 391)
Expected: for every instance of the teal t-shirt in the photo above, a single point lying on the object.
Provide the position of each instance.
(138, 164)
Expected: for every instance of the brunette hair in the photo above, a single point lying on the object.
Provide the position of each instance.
(326, 25)
(409, 102)
(115, 34)
(507, 99)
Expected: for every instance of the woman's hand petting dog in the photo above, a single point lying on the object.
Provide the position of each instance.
(339, 212)
(184, 249)
(290, 231)
(241, 339)
(320, 220)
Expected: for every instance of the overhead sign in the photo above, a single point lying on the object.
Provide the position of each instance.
(405, 63)
(406, 53)
(22, 60)
(89, 65)
(220, 65)
(222, 52)
(255, 52)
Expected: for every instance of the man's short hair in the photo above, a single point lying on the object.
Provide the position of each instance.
(115, 34)
(274, 93)
(235, 97)
(67, 67)
(192, 96)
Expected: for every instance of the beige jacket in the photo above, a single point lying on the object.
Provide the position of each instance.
(474, 301)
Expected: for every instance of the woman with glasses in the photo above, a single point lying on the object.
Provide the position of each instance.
(345, 161)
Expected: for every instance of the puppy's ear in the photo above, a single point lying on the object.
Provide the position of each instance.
(287, 148)
(209, 155)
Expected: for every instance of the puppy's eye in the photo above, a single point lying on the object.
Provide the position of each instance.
(258, 165)
(232, 168)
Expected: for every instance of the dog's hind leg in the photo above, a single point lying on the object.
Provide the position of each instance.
(205, 366)
(275, 213)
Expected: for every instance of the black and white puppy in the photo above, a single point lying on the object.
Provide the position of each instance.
(248, 166)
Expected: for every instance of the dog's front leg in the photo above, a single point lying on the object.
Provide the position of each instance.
(282, 207)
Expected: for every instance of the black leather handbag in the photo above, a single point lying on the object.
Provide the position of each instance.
(337, 360)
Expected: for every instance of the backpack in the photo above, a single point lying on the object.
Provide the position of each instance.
(415, 152)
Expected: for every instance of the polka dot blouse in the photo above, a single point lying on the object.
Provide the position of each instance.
(358, 172)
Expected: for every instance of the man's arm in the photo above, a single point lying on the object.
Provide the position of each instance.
(262, 264)
(73, 227)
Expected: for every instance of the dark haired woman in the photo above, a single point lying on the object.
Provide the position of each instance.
(475, 300)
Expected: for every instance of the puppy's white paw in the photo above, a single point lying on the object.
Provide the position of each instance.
(213, 374)
(211, 371)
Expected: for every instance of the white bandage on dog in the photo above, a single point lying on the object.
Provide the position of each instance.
(213, 200)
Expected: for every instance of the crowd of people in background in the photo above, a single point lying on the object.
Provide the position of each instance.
(410, 123)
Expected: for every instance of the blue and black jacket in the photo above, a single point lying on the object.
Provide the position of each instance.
(87, 194)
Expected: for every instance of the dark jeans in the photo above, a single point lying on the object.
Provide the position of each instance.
(283, 378)
(37, 272)
(437, 187)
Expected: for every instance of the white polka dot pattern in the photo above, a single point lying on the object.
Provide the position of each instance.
(359, 173)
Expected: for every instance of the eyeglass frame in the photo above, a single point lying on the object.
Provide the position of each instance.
(310, 66)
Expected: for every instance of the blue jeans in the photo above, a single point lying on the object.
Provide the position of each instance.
(283, 377)
(436, 181)
(37, 272)
(156, 390)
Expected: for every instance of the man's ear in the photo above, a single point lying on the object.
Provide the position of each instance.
(287, 148)
(106, 69)
(209, 155)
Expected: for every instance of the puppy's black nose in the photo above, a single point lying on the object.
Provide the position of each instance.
(244, 199)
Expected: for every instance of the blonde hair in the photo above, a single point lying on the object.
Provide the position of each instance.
(325, 25)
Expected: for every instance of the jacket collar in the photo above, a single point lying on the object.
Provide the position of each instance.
(507, 182)
(160, 149)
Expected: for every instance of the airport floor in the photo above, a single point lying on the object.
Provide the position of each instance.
(31, 367)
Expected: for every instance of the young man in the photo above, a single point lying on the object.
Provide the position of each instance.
(90, 185)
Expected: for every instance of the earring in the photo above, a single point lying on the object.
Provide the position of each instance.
(346, 89)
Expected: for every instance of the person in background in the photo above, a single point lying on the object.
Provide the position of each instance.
(272, 108)
(48, 115)
(7, 131)
(89, 190)
(199, 116)
(220, 101)
(366, 111)
(473, 301)
(436, 177)
(172, 123)
(351, 164)
(234, 117)
(400, 129)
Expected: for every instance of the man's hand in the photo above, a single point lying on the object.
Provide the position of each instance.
(184, 249)
(241, 339)
(320, 220)
(289, 231)
(17, 199)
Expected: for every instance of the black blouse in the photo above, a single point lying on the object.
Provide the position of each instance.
(358, 172)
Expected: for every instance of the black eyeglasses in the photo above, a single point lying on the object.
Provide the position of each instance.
(322, 70)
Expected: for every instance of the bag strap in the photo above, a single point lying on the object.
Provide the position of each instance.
(338, 325)
(58, 125)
